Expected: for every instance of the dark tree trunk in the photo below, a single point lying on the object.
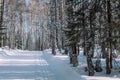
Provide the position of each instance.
(53, 24)
(89, 59)
(74, 56)
(84, 29)
(103, 50)
(90, 66)
(78, 50)
(91, 32)
(90, 47)
(109, 55)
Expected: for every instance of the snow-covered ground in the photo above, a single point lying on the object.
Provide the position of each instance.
(115, 75)
(34, 65)
(41, 65)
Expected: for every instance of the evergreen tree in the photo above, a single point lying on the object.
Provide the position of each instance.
(2, 28)
(72, 33)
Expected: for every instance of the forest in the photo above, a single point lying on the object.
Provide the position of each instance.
(65, 25)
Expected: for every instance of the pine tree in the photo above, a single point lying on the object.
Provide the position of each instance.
(72, 33)
(2, 28)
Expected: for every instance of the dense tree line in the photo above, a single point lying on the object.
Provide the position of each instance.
(57, 23)
(92, 24)
(33, 25)
(26, 24)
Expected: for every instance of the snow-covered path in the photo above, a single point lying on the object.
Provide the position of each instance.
(34, 65)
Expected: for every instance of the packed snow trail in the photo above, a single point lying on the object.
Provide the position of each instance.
(34, 65)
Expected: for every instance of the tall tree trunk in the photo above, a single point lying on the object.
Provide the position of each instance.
(92, 33)
(109, 55)
(90, 49)
(53, 24)
(84, 29)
